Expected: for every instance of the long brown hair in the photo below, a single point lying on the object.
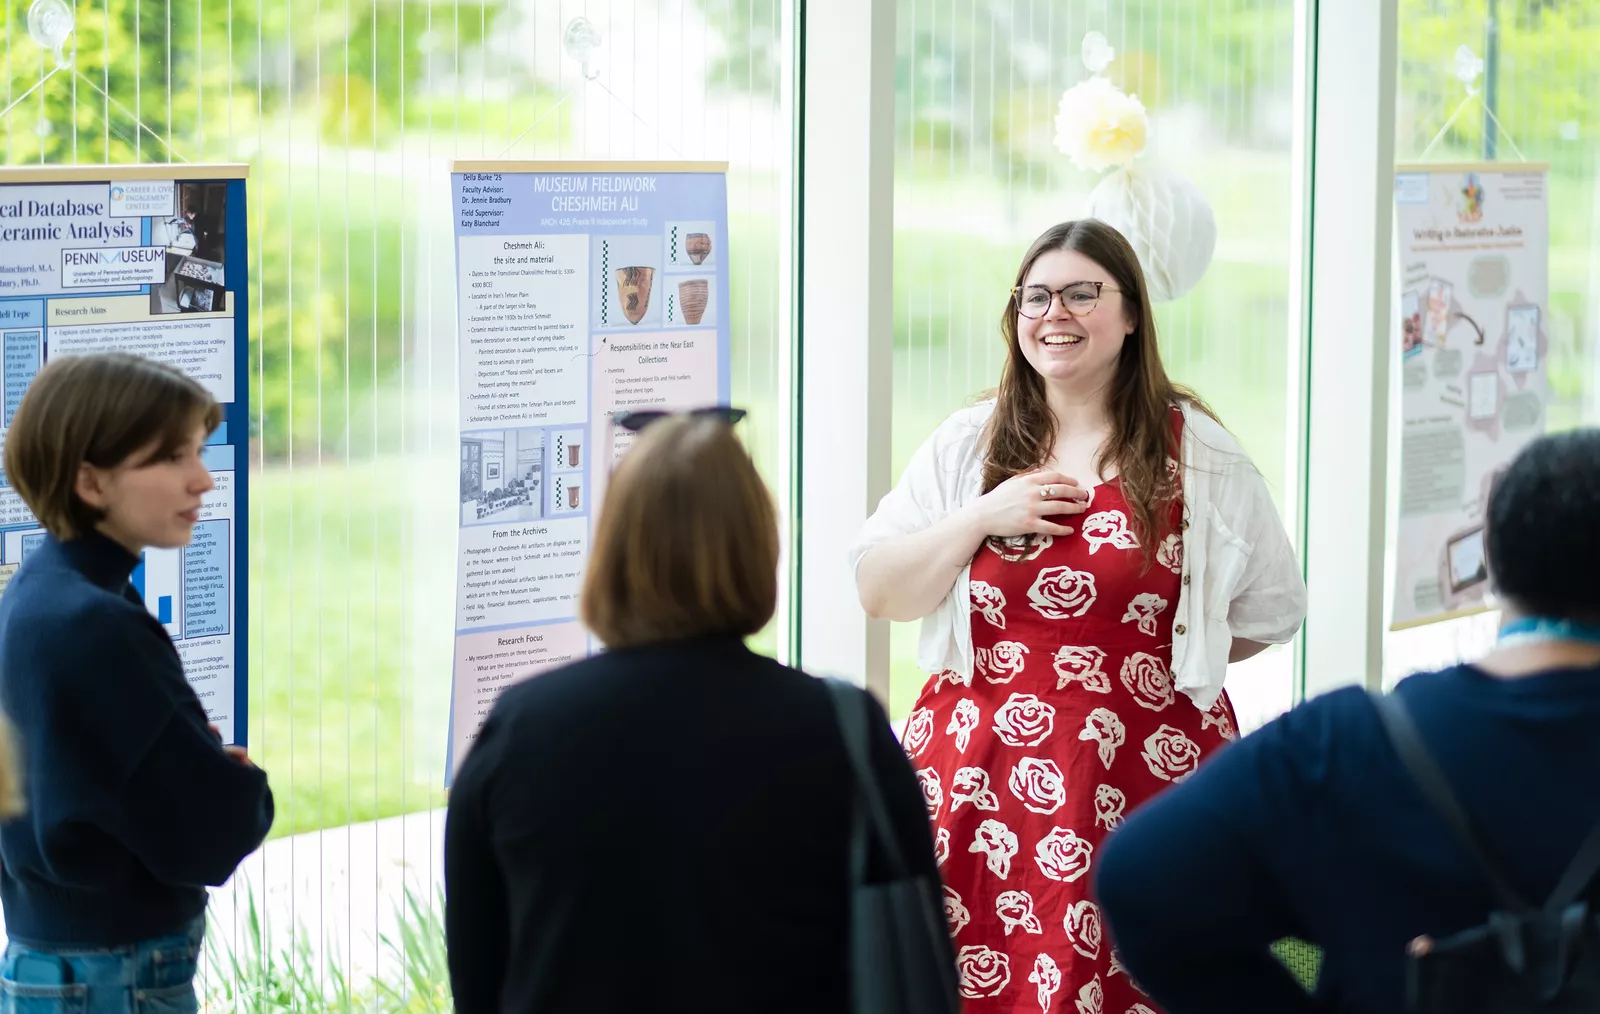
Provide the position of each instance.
(1022, 432)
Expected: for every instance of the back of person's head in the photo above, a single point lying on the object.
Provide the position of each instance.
(100, 410)
(1543, 539)
(686, 546)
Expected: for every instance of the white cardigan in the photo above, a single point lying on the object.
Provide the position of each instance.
(1235, 550)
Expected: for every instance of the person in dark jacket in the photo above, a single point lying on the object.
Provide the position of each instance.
(1312, 828)
(665, 826)
(133, 804)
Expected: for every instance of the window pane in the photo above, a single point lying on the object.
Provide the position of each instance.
(977, 178)
(349, 113)
(1544, 75)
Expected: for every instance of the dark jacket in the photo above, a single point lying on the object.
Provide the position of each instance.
(661, 829)
(1311, 828)
(133, 807)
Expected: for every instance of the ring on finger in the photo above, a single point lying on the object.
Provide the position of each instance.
(1046, 492)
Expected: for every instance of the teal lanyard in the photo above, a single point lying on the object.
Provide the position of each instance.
(1536, 630)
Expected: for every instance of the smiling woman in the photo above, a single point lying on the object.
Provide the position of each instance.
(1069, 577)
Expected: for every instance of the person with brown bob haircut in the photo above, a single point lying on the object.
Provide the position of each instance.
(133, 804)
(1087, 550)
(666, 826)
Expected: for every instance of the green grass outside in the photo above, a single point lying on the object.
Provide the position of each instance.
(339, 717)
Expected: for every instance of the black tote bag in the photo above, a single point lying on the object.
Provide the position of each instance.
(899, 944)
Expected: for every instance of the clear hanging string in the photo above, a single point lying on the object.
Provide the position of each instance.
(1468, 66)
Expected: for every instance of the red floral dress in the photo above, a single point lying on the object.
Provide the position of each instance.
(1070, 721)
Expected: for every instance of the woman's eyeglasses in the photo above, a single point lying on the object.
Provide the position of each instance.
(633, 422)
(1079, 298)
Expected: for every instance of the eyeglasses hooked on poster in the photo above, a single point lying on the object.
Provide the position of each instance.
(584, 290)
(1474, 250)
(149, 260)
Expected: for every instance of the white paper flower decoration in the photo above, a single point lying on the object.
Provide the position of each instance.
(1099, 126)
(1166, 220)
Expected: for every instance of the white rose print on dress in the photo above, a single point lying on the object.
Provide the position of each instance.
(1143, 610)
(997, 844)
(1003, 662)
(990, 603)
(1145, 676)
(1109, 804)
(1047, 976)
(1219, 717)
(1038, 783)
(1108, 528)
(1018, 548)
(1015, 909)
(919, 733)
(983, 972)
(1091, 998)
(1102, 726)
(932, 792)
(1170, 755)
(1062, 855)
(1140, 1008)
(941, 846)
(1082, 665)
(956, 915)
(1172, 467)
(952, 677)
(1170, 553)
(1061, 593)
(1084, 928)
(1024, 720)
(963, 720)
(971, 785)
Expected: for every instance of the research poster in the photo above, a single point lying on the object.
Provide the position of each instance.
(150, 260)
(584, 290)
(1474, 351)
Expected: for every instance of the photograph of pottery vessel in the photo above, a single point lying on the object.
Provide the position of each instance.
(698, 246)
(633, 288)
(692, 296)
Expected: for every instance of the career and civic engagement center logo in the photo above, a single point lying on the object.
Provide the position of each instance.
(1470, 207)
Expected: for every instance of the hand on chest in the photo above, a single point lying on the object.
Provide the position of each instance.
(1099, 581)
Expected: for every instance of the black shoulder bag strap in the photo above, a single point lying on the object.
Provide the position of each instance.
(1420, 763)
(1407, 742)
(1578, 876)
(850, 705)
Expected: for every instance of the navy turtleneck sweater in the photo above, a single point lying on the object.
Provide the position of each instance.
(132, 804)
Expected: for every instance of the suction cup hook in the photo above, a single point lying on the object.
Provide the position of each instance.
(50, 24)
(1096, 52)
(1468, 66)
(581, 41)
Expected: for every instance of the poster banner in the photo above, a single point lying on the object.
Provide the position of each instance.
(150, 260)
(1473, 272)
(584, 290)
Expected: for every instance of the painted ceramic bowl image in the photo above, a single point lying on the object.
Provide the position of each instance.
(692, 296)
(633, 288)
(698, 245)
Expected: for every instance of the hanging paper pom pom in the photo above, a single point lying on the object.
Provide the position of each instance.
(1166, 220)
(1098, 126)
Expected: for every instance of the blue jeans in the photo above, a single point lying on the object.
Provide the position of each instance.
(151, 977)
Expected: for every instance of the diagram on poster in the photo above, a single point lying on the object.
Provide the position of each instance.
(584, 291)
(1474, 251)
(146, 263)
